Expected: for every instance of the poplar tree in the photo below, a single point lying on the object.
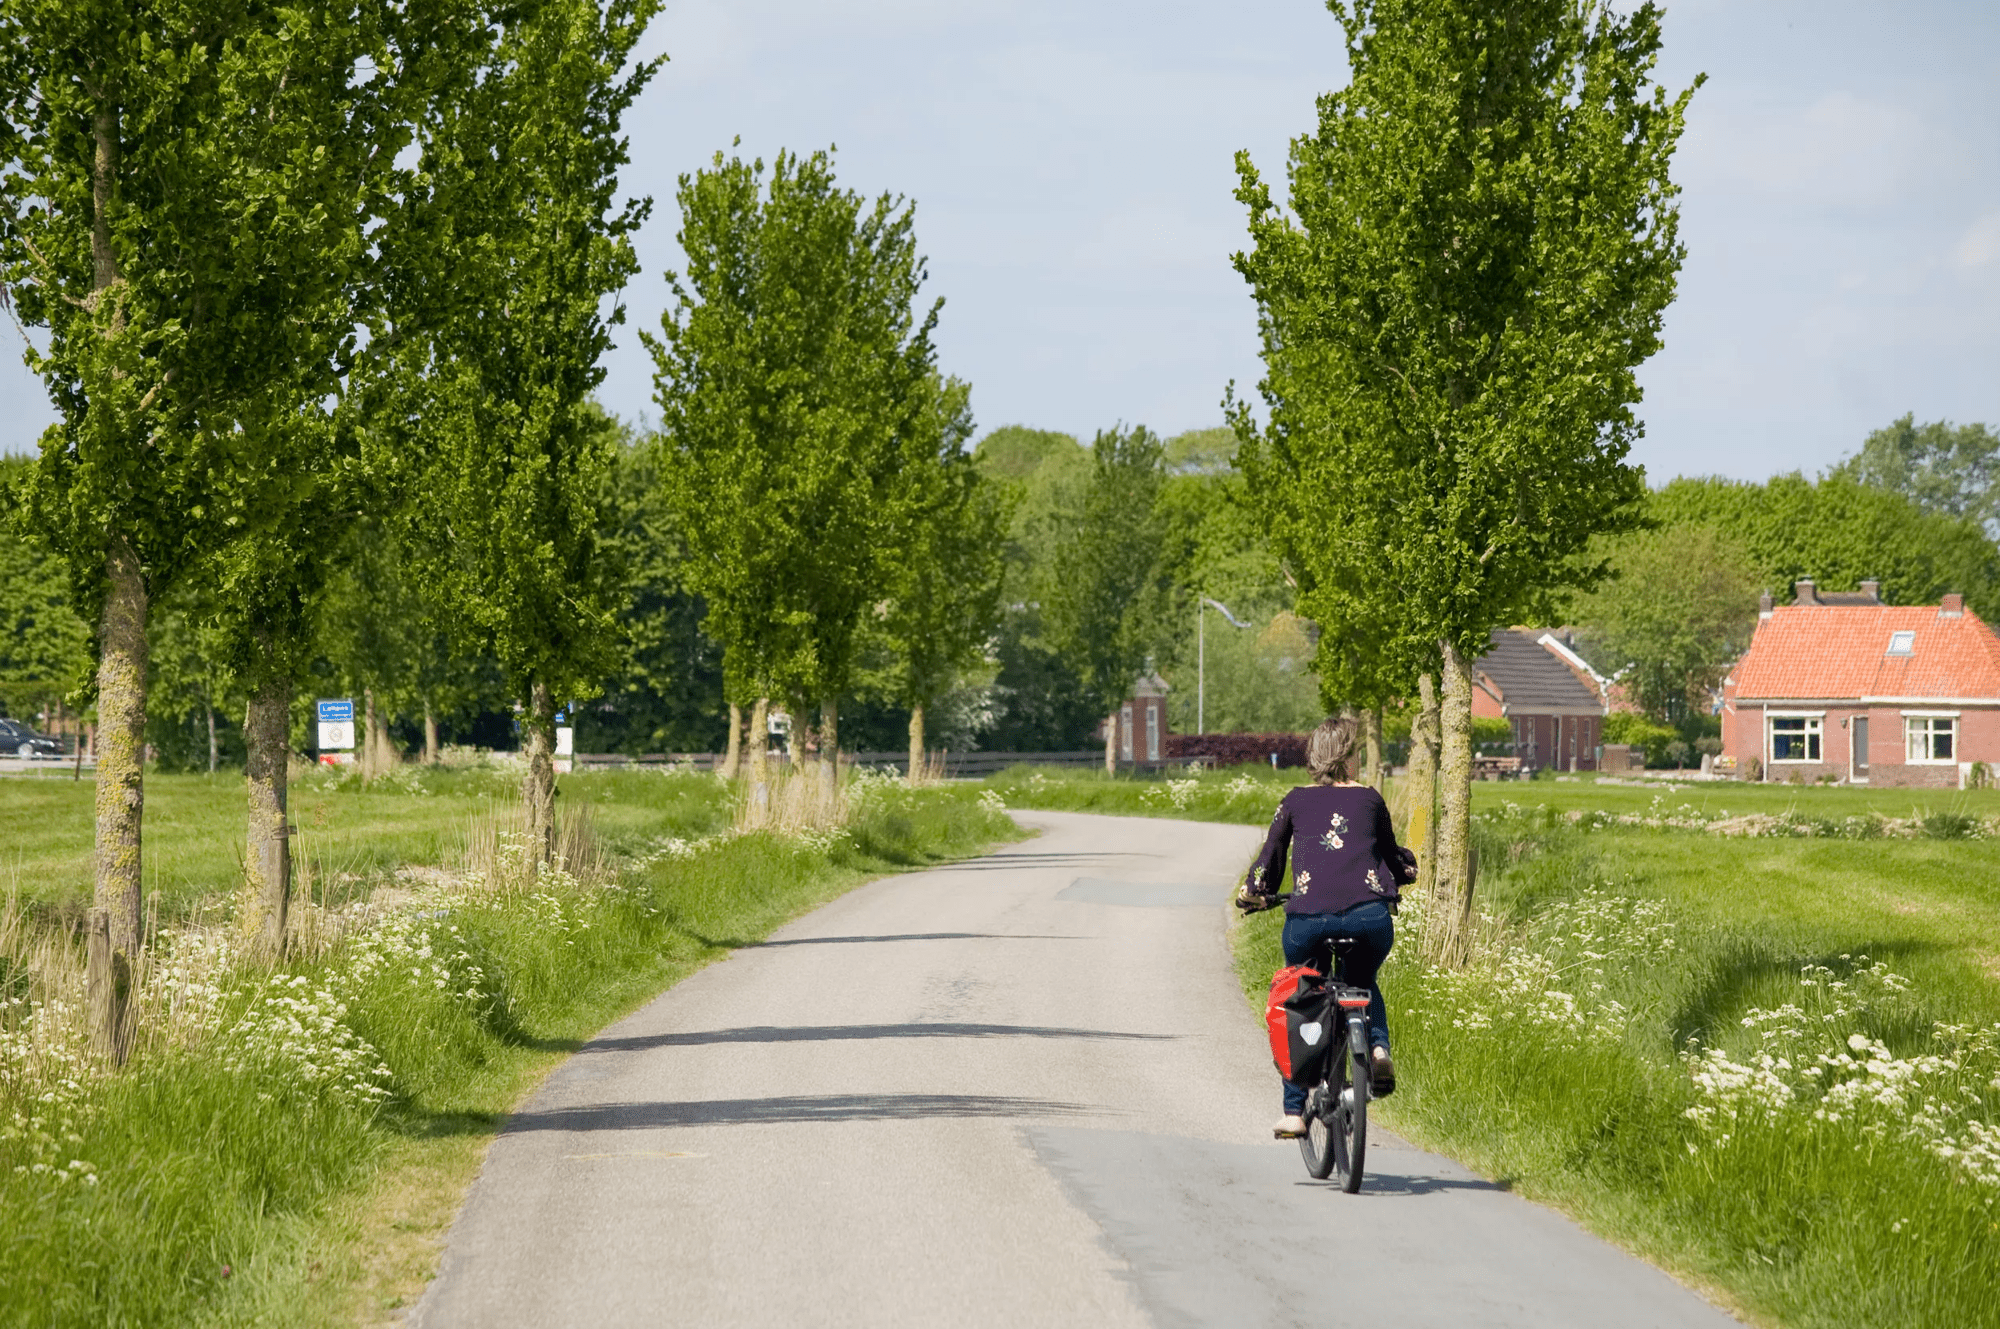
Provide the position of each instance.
(789, 372)
(508, 244)
(1481, 241)
(163, 216)
(1103, 591)
(948, 549)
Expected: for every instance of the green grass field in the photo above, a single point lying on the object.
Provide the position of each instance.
(1752, 1161)
(417, 816)
(288, 1147)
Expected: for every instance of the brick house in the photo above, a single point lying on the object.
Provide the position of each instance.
(1848, 687)
(1534, 680)
(1139, 729)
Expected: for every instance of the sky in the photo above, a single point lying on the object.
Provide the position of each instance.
(1072, 166)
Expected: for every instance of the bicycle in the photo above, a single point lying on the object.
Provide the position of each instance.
(1336, 1114)
(1336, 1111)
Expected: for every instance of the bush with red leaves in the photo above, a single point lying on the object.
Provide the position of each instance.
(1237, 749)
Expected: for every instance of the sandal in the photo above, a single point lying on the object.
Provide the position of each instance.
(1381, 1074)
(1285, 1130)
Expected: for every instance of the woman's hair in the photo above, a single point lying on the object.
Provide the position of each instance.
(1330, 751)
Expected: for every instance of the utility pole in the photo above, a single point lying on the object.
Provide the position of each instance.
(1201, 604)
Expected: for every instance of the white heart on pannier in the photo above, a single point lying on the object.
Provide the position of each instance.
(1311, 1032)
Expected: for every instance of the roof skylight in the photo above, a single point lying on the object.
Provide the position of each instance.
(1902, 643)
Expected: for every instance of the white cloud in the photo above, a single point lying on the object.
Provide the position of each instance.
(1981, 243)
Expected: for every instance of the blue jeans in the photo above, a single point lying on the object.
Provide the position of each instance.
(1309, 940)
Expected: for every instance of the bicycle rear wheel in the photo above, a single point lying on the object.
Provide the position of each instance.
(1316, 1145)
(1350, 1128)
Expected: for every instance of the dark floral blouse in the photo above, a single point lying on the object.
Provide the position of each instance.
(1343, 850)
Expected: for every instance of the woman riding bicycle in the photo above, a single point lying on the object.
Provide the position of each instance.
(1346, 871)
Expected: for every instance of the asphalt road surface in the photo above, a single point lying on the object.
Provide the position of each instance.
(1024, 1090)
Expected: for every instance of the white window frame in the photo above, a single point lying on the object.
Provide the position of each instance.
(1908, 638)
(1929, 720)
(1125, 732)
(1815, 729)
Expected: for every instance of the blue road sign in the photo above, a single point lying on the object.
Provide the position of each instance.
(332, 711)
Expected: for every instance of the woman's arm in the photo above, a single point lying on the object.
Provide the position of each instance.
(1269, 870)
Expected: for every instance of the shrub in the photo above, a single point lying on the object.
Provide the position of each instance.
(1237, 749)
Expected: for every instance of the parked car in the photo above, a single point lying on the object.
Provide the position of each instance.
(17, 740)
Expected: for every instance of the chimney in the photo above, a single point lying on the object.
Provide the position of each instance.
(1803, 592)
(1764, 605)
(1953, 606)
(1873, 590)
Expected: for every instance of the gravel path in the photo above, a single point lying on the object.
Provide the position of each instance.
(1019, 1091)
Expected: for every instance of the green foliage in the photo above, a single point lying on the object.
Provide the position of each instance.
(1677, 613)
(668, 695)
(945, 552)
(1646, 735)
(1951, 470)
(45, 649)
(1102, 592)
(1839, 531)
(791, 373)
(507, 244)
(1481, 242)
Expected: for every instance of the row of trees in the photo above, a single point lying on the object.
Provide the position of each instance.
(325, 299)
(305, 274)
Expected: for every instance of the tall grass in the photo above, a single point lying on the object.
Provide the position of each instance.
(182, 1188)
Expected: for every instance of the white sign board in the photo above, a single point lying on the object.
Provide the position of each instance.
(336, 724)
(565, 741)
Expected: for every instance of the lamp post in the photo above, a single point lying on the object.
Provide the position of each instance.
(1201, 604)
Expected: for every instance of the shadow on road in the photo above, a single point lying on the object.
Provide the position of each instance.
(839, 1033)
(822, 1107)
(922, 936)
(1381, 1183)
(1013, 862)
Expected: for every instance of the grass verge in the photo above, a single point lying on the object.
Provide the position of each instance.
(292, 1153)
(1770, 1063)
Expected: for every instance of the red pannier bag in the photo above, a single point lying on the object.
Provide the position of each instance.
(1299, 1017)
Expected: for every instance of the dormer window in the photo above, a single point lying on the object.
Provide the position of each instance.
(1902, 643)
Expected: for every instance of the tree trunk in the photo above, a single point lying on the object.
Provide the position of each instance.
(758, 795)
(1453, 898)
(829, 739)
(267, 859)
(208, 708)
(1111, 745)
(916, 742)
(1371, 733)
(367, 743)
(430, 734)
(538, 789)
(107, 983)
(733, 758)
(757, 740)
(1418, 800)
(121, 747)
(386, 756)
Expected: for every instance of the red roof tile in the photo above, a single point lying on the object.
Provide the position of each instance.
(1840, 651)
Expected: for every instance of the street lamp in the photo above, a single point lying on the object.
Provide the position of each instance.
(1201, 604)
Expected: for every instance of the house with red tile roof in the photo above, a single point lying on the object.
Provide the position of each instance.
(1848, 687)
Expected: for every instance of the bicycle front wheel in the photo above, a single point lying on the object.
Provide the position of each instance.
(1351, 1134)
(1316, 1145)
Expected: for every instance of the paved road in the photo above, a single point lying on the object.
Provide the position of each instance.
(1020, 1091)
